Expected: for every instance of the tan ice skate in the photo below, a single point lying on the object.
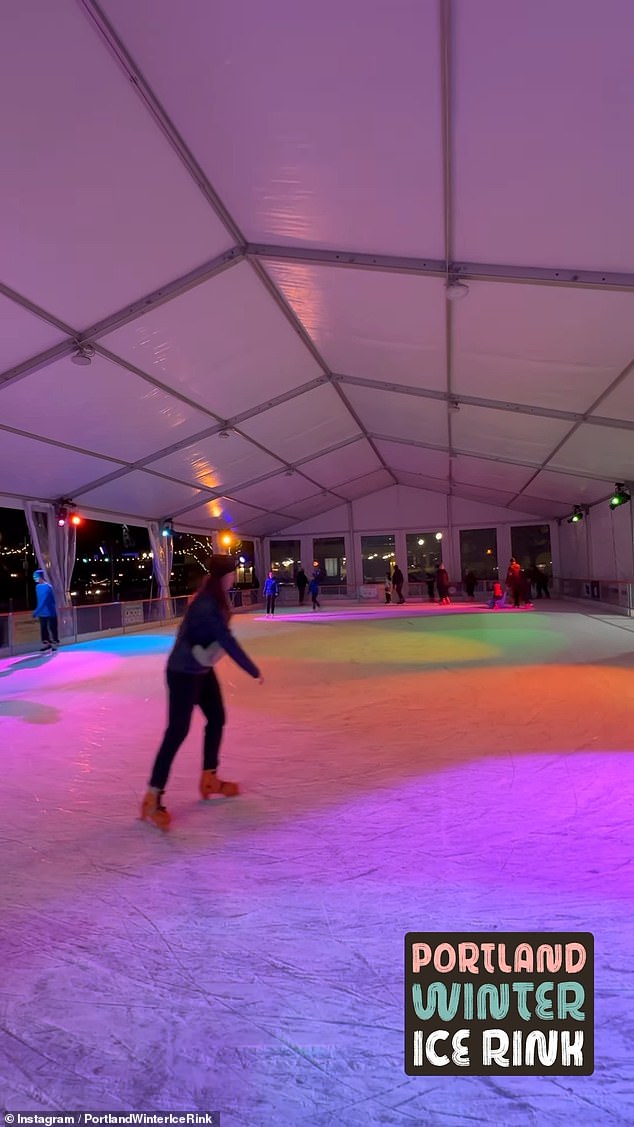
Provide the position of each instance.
(210, 784)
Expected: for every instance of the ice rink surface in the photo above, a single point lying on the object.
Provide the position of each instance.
(402, 769)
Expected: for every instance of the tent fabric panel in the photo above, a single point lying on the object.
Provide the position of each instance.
(307, 425)
(312, 506)
(103, 407)
(362, 486)
(22, 335)
(598, 450)
(144, 494)
(422, 481)
(217, 462)
(277, 492)
(354, 460)
(36, 469)
(312, 158)
(390, 414)
(567, 488)
(542, 106)
(91, 189)
(504, 434)
(414, 459)
(222, 512)
(489, 474)
(540, 345)
(380, 325)
(619, 404)
(225, 344)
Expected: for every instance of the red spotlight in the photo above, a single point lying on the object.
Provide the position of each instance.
(75, 519)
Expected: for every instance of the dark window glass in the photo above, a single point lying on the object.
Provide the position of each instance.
(330, 558)
(424, 553)
(530, 544)
(285, 559)
(378, 555)
(479, 553)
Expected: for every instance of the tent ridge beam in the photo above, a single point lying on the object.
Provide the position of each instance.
(163, 294)
(489, 404)
(585, 418)
(161, 118)
(459, 453)
(437, 267)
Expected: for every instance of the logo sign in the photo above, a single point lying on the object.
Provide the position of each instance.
(498, 1003)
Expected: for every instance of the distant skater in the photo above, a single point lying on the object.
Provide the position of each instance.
(388, 588)
(397, 583)
(442, 585)
(46, 611)
(514, 581)
(540, 580)
(313, 590)
(191, 681)
(301, 582)
(470, 584)
(271, 591)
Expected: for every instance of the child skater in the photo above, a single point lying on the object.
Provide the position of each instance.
(271, 590)
(191, 681)
(388, 587)
(497, 600)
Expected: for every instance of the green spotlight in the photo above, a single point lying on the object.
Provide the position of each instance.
(621, 496)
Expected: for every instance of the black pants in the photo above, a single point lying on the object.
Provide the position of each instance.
(186, 690)
(398, 587)
(270, 604)
(48, 630)
(542, 589)
(316, 602)
(302, 595)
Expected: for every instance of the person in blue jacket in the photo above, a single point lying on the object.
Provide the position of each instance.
(46, 611)
(204, 633)
(271, 591)
(313, 590)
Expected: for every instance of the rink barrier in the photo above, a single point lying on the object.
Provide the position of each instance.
(20, 632)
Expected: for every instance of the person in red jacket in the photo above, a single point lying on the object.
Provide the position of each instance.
(514, 580)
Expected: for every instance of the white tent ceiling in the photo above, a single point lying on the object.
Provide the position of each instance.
(250, 212)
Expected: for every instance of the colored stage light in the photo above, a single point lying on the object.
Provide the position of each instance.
(577, 515)
(75, 519)
(225, 539)
(621, 496)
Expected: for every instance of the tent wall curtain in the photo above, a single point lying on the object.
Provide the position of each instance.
(162, 556)
(54, 547)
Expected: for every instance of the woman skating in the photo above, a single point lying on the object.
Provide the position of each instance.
(191, 681)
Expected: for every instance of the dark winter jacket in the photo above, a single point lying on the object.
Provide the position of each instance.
(45, 607)
(271, 587)
(442, 582)
(397, 577)
(203, 624)
(301, 580)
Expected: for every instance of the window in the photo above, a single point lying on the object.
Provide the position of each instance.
(377, 555)
(330, 558)
(479, 552)
(530, 544)
(424, 553)
(285, 559)
(244, 550)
